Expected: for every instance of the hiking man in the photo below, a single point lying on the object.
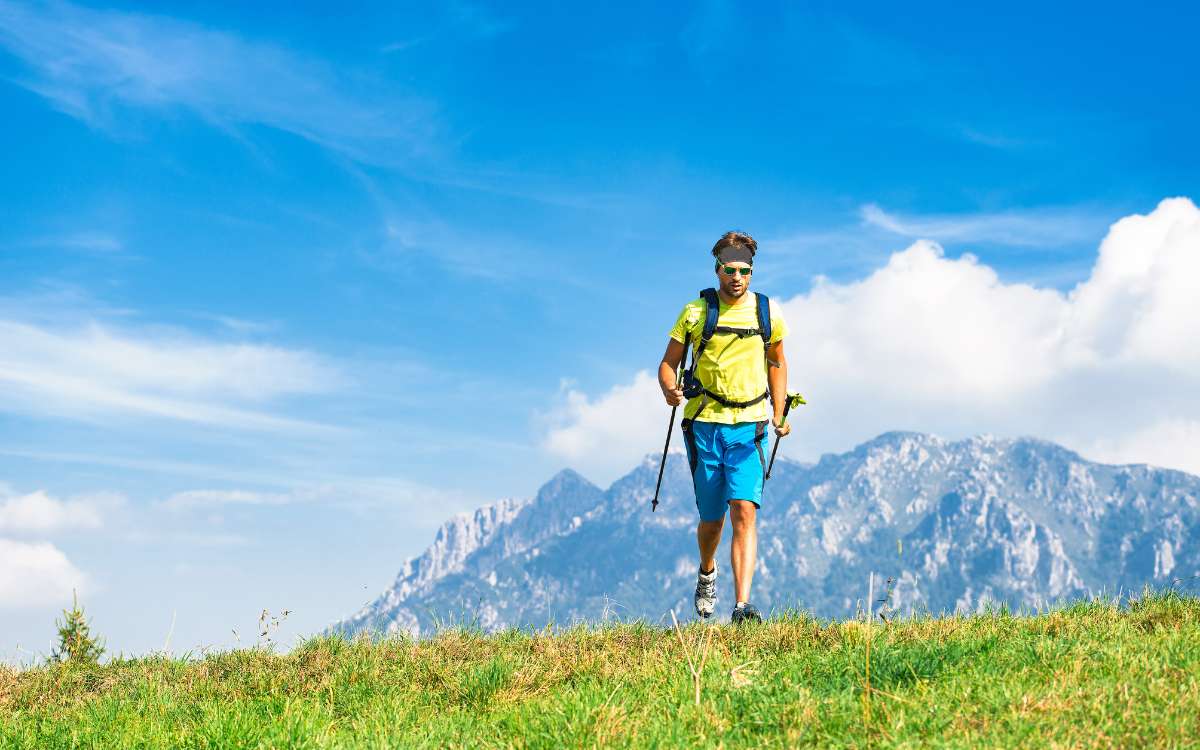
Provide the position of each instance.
(737, 382)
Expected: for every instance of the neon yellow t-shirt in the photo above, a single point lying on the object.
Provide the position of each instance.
(731, 366)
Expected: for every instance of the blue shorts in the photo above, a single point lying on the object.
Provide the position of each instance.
(727, 464)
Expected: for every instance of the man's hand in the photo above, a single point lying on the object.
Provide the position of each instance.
(668, 373)
(781, 427)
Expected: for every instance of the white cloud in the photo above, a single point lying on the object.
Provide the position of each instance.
(1171, 442)
(36, 574)
(94, 369)
(607, 434)
(38, 512)
(92, 63)
(169, 363)
(1030, 228)
(938, 344)
(204, 499)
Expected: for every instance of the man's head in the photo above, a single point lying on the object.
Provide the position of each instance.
(735, 257)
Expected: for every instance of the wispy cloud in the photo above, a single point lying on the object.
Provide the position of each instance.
(208, 499)
(241, 326)
(170, 468)
(97, 64)
(88, 242)
(421, 504)
(96, 369)
(460, 20)
(992, 139)
(405, 239)
(1043, 227)
(849, 249)
(485, 256)
(859, 241)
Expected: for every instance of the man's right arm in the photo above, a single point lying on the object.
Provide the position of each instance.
(666, 373)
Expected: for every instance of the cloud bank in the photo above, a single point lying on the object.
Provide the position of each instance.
(35, 574)
(1110, 368)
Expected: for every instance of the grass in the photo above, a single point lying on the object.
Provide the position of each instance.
(1088, 675)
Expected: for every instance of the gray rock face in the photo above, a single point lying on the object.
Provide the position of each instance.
(956, 525)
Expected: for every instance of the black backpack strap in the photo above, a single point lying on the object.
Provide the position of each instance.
(764, 327)
(712, 304)
(731, 403)
(712, 308)
(764, 317)
(741, 333)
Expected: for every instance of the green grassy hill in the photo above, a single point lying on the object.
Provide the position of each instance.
(1090, 675)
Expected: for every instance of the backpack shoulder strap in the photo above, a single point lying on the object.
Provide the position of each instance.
(764, 318)
(713, 308)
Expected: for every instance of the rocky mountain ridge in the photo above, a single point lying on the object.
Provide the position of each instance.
(956, 526)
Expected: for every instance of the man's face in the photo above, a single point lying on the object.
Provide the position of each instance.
(735, 285)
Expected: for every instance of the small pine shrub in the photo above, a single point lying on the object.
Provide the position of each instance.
(75, 640)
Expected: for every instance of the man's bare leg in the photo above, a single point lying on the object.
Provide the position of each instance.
(743, 553)
(708, 536)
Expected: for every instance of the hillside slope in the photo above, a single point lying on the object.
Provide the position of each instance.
(1092, 675)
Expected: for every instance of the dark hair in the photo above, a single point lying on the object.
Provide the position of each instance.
(732, 239)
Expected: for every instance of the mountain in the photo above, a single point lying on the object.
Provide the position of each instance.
(956, 525)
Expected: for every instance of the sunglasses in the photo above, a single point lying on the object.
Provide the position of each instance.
(731, 270)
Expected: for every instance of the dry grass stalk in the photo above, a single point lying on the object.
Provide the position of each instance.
(697, 669)
(739, 676)
(870, 622)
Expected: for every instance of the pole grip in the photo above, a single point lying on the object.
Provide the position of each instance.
(787, 406)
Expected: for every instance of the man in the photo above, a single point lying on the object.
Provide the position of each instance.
(724, 426)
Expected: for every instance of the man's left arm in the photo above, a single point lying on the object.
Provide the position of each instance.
(777, 378)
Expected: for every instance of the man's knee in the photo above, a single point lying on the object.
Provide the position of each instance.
(742, 512)
(710, 528)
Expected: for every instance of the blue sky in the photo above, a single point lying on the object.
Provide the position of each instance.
(281, 290)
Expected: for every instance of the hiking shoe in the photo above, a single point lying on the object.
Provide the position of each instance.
(745, 612)
(706, 592)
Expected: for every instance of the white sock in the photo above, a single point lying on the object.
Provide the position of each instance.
(740, 605)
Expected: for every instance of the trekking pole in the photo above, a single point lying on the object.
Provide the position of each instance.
(670, 425)
(663, 464)
(793, 399)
